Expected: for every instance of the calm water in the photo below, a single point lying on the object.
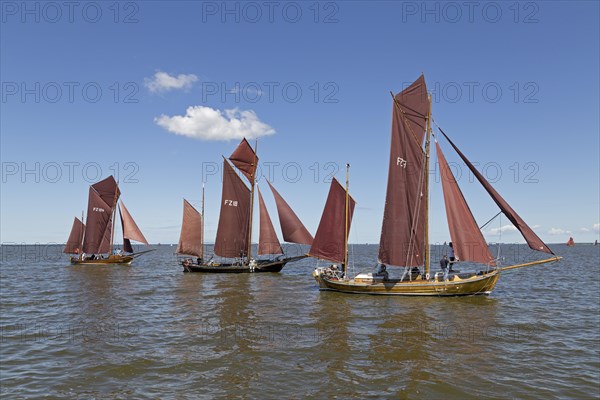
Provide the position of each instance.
(150, 331)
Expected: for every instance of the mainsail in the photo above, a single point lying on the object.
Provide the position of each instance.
(267, 240)
(292, 228)
(73, 245)
(402, 240)
(98, 224)
(531, 238)
(130, 229)
(233, 233)
(190, 239)
(245, 159)
(330, 239)
(469, 244)
(108, 190)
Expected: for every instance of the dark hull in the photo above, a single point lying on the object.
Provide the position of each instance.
(261, 266)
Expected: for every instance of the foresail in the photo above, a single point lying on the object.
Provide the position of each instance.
(467, 239)
(531, 238)
(233, 229)
(402, 240)
(268, 243)
(73, 245)
(190, 239)
(291, 227)
(245, 160)
(130, 228)
(329, 242)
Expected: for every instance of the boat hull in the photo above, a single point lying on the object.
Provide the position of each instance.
(260, 266)
(113, 259)
(455, 286)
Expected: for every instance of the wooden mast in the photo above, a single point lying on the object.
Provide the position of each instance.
(345, 265)
(82, 236)
(202, 227)
(112, 228)
(427, 260)
(252, 182)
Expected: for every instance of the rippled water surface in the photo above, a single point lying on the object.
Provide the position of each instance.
(150, 331)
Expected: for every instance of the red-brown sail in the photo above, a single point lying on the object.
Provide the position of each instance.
(245, 159)
(130, 228)
(329, 242)
(99, 215)
(108, 190)
(105, 243)
(73, 245)
(190, 239)
(570, 242)
(268, 243)
(233, 230)
(292, 228)
(468, 242)
(402, 240)
(531, 238)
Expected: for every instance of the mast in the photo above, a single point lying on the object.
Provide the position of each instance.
(427, 260)
(345, 265)
(112, 228)
(252, 182)
(82, 236)
(202, 227)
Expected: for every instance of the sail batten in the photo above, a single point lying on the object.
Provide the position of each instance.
(402, 240)
(329, 241)
(75, 240)
(292, 228)
(190, 239)
(233, 234)
(529, 235)
(268, 243)
(467, 239)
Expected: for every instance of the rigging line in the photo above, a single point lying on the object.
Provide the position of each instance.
(493, 218)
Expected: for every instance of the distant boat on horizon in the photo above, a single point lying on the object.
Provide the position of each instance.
(404, 239)
(92, 243)
(570, 242)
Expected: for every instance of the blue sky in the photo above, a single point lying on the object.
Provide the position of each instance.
(515, 85)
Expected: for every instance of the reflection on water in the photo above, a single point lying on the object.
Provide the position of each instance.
(151, 331)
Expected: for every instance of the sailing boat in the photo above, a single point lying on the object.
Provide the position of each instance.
(92, 243)
(404, 239)
(234, 232)
(571, 242)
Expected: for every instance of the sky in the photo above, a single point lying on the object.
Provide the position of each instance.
(157, 92)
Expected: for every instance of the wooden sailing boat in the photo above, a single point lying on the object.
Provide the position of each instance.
(234, 232)
(404, 239)
(92, 243)
(570, 242)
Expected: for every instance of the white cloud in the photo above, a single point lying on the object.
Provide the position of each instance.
(502, 229)
(536, 226)
(163, 82)
(596, 227)
(558, 231)
(584, 229)
(207, 123)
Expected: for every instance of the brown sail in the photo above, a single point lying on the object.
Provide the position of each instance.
(402, 240)
(292, 228)
(268, 243)
(98, 220)
(570, 242)
(130, 228)
(469, 244)
(106, 242)
(108, 190)
(73, 245)
(329, 242)
(190, 239)
(531, 238)
(233, 230)
(245, 159)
